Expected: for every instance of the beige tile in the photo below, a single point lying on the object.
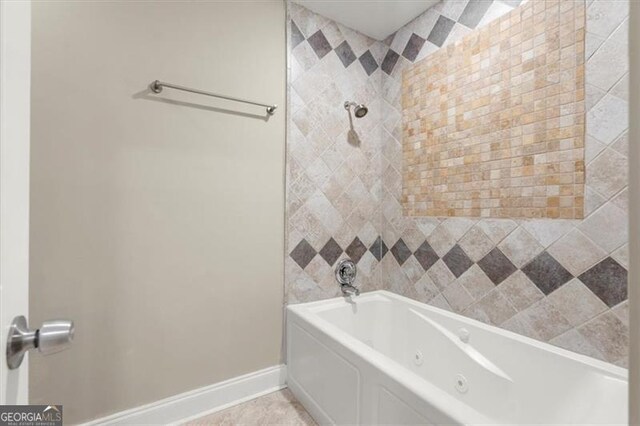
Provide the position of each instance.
(621, 255)
(440, 302)
(607, 173)
(607, 227)
(520, 291)
(476, 282)
(276, 408)
(608, 335)
(576, 302)
(546, 231)
(457, 297)
(441, 240)
(520, 247)
(494, 307)
(497, 229)
(425, 289)
(441, 275)
(572, 340)
(547, 321)
(576, 252)
(476, 243)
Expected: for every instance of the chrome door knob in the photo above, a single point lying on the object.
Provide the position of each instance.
(53, 336)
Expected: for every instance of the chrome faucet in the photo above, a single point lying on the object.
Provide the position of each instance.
(349, 290)
(346, 275)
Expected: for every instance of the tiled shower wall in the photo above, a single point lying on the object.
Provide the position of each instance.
(493, 126)
(560, 281)
(334, 178)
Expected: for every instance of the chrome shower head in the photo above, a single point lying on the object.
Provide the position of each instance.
(360, 110)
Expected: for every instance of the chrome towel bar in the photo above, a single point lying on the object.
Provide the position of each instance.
(157, 86)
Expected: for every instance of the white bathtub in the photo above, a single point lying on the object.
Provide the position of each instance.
(386, 359)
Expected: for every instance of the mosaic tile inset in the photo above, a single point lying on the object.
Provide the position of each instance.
(493, 125)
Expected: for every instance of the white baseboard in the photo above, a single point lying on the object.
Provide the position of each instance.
(201, 402)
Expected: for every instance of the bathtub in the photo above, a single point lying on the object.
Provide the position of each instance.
(386, 359)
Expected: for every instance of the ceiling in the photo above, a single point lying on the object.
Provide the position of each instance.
(377, 19)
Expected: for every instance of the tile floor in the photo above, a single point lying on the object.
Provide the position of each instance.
(277, 408)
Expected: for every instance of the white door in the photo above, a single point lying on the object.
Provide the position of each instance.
(15, 76)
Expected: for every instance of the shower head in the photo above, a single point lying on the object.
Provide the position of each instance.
(360, 110)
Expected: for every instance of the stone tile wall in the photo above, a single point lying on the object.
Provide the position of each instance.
(493, 125)
(333, 178)
(557, 280)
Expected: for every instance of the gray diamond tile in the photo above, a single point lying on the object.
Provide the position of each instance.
(546, 273)
(356, 250)
(440, 31)
(378, 249)
(473, 13)
(303, 253)
(296, 35)
(457, 260)
(497, 266)
(345, 53)
(319, 44)
(426, 256)
(331, 251)
(608, 280)
(400, 251)
(368, 62)
(389, 61)
(413, 47)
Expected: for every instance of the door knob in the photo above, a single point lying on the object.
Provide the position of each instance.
(52, 336)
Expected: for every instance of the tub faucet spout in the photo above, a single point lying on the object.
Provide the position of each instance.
(349, 290)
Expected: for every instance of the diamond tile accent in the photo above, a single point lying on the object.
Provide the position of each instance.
(318, 138)
(368, 62)
(356, 250)
(457, 260)
(296, 35)
(608, 280)
(389, 61)
(426, 256)
(441, 31)
(400, 251)
(345, 53)
(546, 273)
(473, 13)
(319, 44)
(497, 266)
(303, 253)
(413, 47)
(331, 251)
(378, 249)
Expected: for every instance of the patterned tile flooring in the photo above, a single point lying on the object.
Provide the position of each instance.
(277, 408)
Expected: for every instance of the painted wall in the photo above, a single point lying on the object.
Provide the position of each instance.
(156, 220)
(569, 281)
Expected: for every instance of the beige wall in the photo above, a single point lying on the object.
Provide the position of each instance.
(156, 226)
